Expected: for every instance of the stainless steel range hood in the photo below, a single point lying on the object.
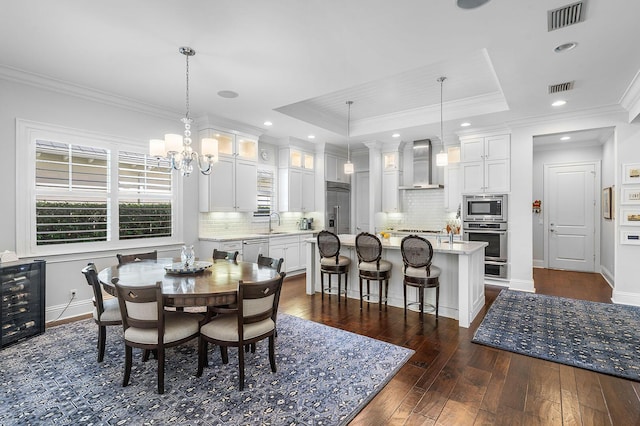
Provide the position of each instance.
(422, 164)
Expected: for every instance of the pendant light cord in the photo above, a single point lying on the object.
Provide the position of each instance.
(441, 80)
(187, 86)
(349, 131)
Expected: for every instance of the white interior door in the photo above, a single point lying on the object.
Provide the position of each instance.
(570, 199)
(361, 192)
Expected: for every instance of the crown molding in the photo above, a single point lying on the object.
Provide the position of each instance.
(611, 110)
(630, 100)
(48, 83)
(464, 108)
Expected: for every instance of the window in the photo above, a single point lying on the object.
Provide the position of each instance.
(266, 190)
(144, 201)
(91, 193)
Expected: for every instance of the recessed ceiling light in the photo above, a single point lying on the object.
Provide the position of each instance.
(565, 138)
(564, 47)
(229, 94)
(465, 124)
(268, 123)
(395, 135)
(558, 103)
(311, 137)
(471, 4)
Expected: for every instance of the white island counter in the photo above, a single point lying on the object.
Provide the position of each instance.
(461, 281)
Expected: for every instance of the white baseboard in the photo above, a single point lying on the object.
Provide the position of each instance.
(522, 285)
(608, 276)
(625, 298)
(538, 263)
(77, 308)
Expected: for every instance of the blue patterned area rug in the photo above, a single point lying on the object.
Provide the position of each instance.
(325, 377)
(596, 336)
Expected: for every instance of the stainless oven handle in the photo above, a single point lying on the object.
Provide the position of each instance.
(483, 231)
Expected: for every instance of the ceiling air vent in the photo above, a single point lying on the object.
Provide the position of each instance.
(566, 15)
(561, 87)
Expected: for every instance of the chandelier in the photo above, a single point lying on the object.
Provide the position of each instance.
(348, 166)
(442, 157)
(178, 148)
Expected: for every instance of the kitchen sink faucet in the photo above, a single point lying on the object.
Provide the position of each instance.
(277, 214)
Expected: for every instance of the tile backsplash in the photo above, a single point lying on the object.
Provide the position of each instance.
(422, 209)
(230, 223)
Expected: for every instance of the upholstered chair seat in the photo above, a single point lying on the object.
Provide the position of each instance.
(434, 272)
(331, 261)
(110, 313)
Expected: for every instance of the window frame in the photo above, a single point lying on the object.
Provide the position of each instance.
(27, 132)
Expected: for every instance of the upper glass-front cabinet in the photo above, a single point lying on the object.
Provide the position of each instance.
(300, 159)
(235, 145)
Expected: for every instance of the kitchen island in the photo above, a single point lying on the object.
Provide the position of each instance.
(461, 280)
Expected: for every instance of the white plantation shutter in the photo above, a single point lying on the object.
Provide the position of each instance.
(266, 192)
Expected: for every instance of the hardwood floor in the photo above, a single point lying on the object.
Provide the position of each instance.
(451, 381)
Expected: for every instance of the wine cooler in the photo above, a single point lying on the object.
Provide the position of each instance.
(22, 308)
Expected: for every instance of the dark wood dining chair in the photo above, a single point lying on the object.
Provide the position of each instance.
(270, 262)
(106, 312)
(137, 257)
(253, 321)
(225, 255)
(150, 327)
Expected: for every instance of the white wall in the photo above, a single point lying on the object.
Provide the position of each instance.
(608, 227)
(627, 288)
(555, 156)
(55, 107)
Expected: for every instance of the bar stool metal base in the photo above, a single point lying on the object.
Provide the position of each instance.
(339, 271)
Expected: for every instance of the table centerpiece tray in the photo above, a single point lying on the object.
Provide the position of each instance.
(181, 268)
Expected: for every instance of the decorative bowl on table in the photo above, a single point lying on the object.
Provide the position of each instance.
(181, 268)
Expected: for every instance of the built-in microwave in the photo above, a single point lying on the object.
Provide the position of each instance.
(484, 208)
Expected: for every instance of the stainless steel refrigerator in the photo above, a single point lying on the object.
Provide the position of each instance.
(338, 208)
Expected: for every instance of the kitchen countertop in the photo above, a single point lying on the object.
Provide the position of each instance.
(393, 243)
(235, 237)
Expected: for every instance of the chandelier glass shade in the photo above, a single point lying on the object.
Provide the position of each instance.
(348, 166)
(178, 149)
(442, 159)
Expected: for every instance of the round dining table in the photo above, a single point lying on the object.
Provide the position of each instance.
(211, 286)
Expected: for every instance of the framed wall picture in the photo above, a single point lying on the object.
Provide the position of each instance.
(630, 236)
(630, 215)
(631, 195)
(606, 203)
(631, 173)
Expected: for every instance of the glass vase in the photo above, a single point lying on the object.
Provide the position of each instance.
(187, 256)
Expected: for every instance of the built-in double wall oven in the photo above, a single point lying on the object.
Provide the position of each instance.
(484, 219)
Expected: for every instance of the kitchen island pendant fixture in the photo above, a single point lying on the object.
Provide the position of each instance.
(178, 149)
(348, 166)
(442, 158)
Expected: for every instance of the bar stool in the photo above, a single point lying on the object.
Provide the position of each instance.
(331, 263)
(417, 253)
(372, 268)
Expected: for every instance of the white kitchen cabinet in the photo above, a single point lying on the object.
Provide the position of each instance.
(288, 248)
(232, 185)
(296, 181)
(452, 187)
(334, 168)
(485, 164)
(391, 192)
(205, 251)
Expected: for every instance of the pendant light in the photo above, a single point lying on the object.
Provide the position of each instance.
(442, 157)
(348, 166)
